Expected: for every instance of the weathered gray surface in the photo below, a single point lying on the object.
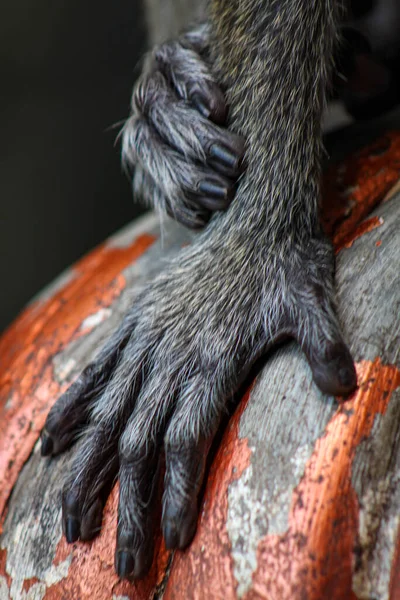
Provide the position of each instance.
(284, 418)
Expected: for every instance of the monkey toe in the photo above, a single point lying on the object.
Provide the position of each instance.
(334, 371)
(82, 514)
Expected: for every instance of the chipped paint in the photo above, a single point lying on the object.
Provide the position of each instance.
(209, 568)
(372, 579)
(5, 577)
(29, 345)
(206, 569)
(369, 175)
(247, 522)
(92, 575)
(95, 319)
(376, 481)
(259, 501)
(366, 226)
(314, 558)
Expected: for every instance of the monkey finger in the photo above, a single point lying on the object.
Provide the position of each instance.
(188, 437)
(70, 413)
(173, 175)
(183, 129)
(185, 465)
(139, 451)
(192, 79)
(138, 477)
(190, 215)
(332, 368)
(92, 475)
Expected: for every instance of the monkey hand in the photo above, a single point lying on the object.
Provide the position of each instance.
(186, 162)
(164, 379)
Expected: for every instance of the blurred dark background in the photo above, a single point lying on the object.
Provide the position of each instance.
(67, 70)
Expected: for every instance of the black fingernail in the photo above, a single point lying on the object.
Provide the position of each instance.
(201, 106)
(211, 188)
(223, 155)
(71, 530)
(171, 537)
(125, 564)
(47, 445)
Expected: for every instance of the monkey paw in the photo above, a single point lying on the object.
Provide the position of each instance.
(186, 162)
(163, 381)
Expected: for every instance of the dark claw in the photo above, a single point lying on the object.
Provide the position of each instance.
(72, 530)
(210, 101)
(222, 155)
(193, 220)
(125, 564)
(347, 378)
(214, 189)
(171, 536)
(201, 105)
(179, 526)
(337, 376)
(47, 445)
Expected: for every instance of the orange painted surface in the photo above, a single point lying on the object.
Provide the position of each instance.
(28, 387)
(364, 227)
(313, 559)
(91, 574)
(205, 570)
(306, 560)
(354, 188)
(28, 583)
(3, 572)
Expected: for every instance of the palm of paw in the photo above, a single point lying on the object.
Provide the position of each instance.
(164, 378)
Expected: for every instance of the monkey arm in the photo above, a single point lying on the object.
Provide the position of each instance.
(186, 160)
(260, 272)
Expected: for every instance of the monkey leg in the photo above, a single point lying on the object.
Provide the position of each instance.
(186, 162)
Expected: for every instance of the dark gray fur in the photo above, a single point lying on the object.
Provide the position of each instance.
(260, 272)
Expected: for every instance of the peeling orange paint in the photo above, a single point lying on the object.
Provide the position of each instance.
(351, 190)
(314, 558)
(205, 569)
(28, 387)
(91, 573)
(359, 231)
